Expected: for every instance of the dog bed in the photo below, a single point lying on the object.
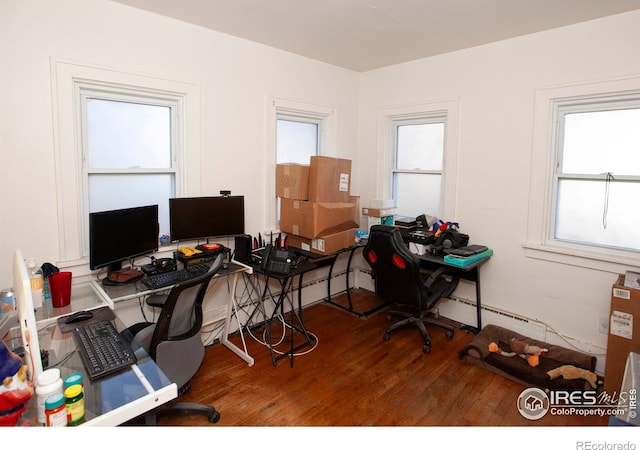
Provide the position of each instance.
(518, 369)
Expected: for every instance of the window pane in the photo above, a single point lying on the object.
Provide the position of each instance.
(128, 135)
(296, 142)
(420, 146)
(417, 194)
(601, 142)
(580, 210)
(108, 192)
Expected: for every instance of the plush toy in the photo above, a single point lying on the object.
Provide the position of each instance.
(569, 372)
(529, 352)
(15, 390)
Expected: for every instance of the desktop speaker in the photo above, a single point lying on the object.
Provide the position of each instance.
(243, 248)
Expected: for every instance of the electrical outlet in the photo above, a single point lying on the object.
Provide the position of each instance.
(603, 325)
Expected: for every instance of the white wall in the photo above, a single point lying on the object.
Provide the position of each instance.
(494, 85)
(235, 77)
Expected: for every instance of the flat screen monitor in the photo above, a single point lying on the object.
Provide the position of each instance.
(122, 234)
(26, 315)
(193, 218)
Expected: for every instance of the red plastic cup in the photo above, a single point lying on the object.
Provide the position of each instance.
(60, 288)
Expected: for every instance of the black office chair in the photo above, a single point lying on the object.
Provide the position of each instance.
(399, 280)
(175, 344)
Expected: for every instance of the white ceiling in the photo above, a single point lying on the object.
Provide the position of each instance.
(367, 34)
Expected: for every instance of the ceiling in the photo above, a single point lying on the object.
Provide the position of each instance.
(363, 35)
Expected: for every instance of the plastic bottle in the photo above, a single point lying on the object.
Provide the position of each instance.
(73, 379)
(55, 410)
(47, 384)
(75, 404)
(37, 283)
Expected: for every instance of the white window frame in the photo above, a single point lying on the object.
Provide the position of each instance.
(68, 80)
(540, 242)
(420, 113)
(416, 120)
(301, 111)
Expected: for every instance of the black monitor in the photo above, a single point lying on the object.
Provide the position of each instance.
(194, 218)
(118, 235)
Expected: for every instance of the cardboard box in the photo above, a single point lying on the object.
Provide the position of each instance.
(329, 179)
(292, 181)
(325, 245)
(311, 219)
(378, 212)
(624, 333)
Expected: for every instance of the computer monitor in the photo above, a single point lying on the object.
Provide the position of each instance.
(119, 235)
(194, 218)
(26, 315)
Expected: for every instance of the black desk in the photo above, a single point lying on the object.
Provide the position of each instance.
(293, 319)
(470, 273)
(330, 260)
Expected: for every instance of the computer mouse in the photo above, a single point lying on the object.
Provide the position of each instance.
(79, 317)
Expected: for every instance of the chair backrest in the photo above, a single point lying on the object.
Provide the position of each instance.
(396, 270)
(176, 345)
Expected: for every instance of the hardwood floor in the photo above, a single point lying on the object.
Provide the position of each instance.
(355, 378)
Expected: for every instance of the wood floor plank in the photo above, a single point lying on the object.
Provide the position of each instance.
(355, 378)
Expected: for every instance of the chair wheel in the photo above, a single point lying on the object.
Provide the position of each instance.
(386, 337)
(426, 349)
(214, 417)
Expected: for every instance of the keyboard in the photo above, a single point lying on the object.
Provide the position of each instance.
(161, 280)
(102, 349)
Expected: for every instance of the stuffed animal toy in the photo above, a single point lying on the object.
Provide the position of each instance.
(15, 390)
(529, 352)
(569, 372)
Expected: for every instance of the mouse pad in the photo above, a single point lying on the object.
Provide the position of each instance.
(102, 313)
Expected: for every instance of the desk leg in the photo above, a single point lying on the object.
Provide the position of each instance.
(232, 309)
(470, 328)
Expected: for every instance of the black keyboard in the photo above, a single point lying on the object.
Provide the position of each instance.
(161, 280)
(102, 349)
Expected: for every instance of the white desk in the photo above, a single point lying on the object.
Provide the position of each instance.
(109, 401)
(115, 294)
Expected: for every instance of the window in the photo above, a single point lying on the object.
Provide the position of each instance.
(129, 151)
(597, 176)
(297, 131)
(121, 139)
(418, 147)
(586, 175)
(417, 172)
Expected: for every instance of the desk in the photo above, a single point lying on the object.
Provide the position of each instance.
(112, 400)
(330, 260)
(130, 291)
(470, 273)
(295, 322)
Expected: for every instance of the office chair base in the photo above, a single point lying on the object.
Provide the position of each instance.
(420, 322)
(182, 408)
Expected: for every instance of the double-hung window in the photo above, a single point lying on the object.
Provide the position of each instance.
(586, 175)
(297, 131)
(417, 170)
(121, 140)
(596, 181)
(129, 151)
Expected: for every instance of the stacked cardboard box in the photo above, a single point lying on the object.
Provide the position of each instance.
(325, 221)
(624, 329)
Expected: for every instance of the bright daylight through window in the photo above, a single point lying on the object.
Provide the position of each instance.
(597, 176)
